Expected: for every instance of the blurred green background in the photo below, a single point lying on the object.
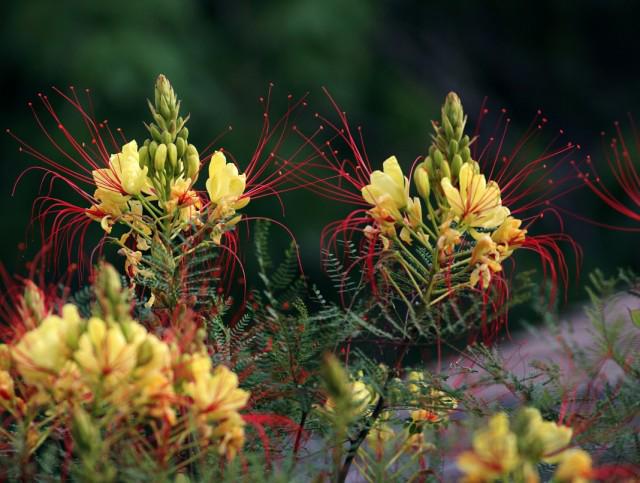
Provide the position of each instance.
(388, 63)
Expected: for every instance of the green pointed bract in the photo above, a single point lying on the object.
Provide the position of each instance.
(167, 152)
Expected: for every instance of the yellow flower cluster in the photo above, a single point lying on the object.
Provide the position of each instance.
(68, 361)
(466, 204)
(476, 205)
(433, 404)
(501, 452)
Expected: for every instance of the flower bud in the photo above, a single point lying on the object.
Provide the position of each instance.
(85, 434)
(181, 146)
(456, 164)
(143, 156)
(160, 157)
(421, 177)
(172, 152)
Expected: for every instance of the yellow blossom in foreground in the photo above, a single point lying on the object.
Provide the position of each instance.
(509, 236)
(388, 191)
(124, 172)
(225, 186)
(230, 434)
(111, 206)
(495, 452)
(575, 467)
(215, 393)
(42, 353)
(7, 392)
(105, 355)
(543, 439)
(476, 203)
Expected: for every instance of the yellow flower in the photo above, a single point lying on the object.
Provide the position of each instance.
(183, 198)
(360, 395)
(111, 206)
(379, 435)
(509, 236)
(7, 392)
(104, 354)
(575, 467)
(42, 352)
(413, 220)
(388, 191)
(448, 239)
(124, 172)
(231, 435)
(225, 186)
(486, 259)
(476, 204)
(541, 439)
(215, 393)
(495, 452)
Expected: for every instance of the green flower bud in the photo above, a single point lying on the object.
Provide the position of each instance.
(422, 181)
(335, 378)
(153, 147)
(143, 156)
(453, 147)
(181, 144)
(160, 157)
(184, 133)
(456, 164)
(172, 152)
(445, 169)
(438, 158)
(85, 434)
(193, 162)
(155, 133)
(166, 137)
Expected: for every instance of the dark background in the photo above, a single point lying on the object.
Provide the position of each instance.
(388, 63)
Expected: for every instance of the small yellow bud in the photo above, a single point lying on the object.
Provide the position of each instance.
(422, 181)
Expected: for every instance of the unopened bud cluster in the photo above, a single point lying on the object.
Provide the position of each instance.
(168, 154)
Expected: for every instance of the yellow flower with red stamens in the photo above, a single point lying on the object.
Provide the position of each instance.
(476, 203)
